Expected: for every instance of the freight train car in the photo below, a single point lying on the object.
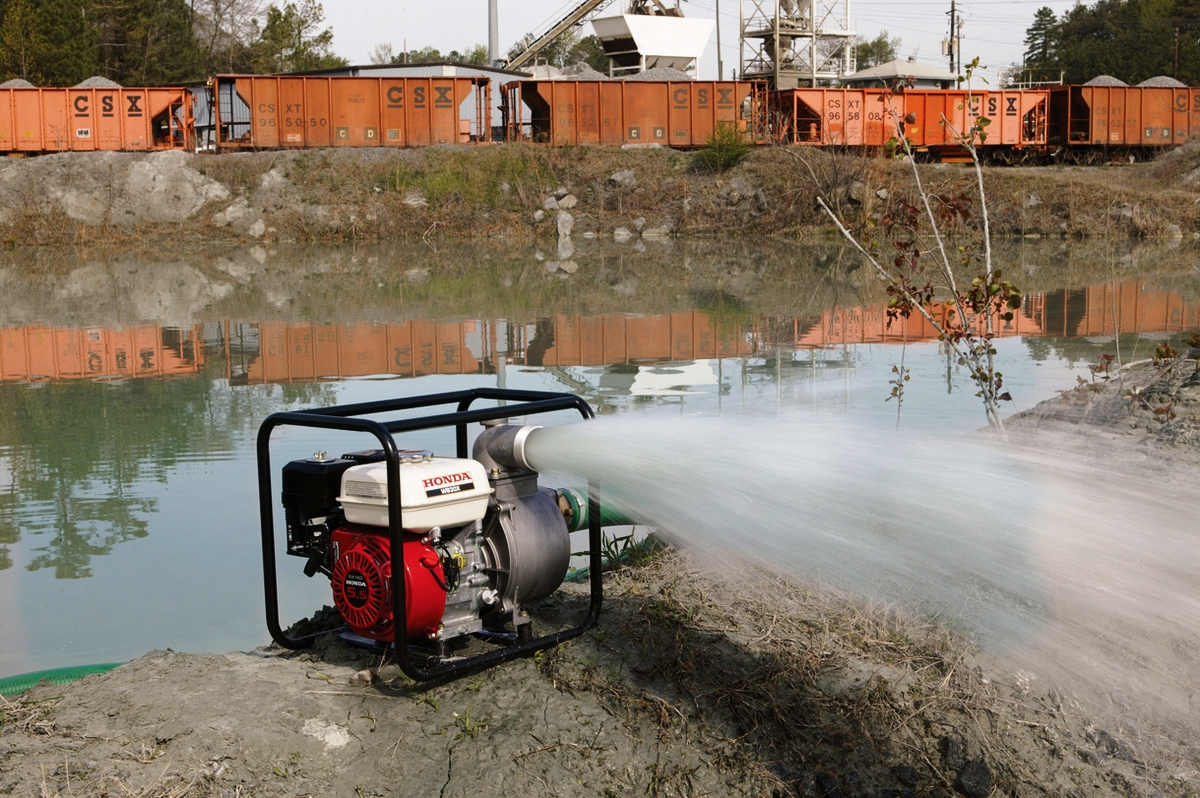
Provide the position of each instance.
(34, 121)
(256, 112)
(871, 117)
(1098, 123)
(618, 112)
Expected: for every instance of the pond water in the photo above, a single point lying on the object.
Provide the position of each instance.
(131, 388)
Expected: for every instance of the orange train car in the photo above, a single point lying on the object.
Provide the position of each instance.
(618, 112)
(1123, 116)
(310, 352)
(619, 338)
(870, 117)
(39, 354)
(34, 121)
(255, 112)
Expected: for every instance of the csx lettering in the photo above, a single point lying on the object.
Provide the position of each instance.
(566, 108)
(292, 108)
(106, 105)
(681, 98)
(449, 479)
(443, 96)
(134, 109)
(81, 105)
(702, 97)
(395, 96)
(724, 96)
(419, 96)
(266, 108)
(1181, 102)
(992, 105)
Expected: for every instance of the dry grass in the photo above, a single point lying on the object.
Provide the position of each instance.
(28, 716)
(809, 693)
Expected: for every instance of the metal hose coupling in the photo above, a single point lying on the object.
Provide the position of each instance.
(503, 445)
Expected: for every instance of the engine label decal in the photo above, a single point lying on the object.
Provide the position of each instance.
(364, 490)
(450, 483)
(354, 586)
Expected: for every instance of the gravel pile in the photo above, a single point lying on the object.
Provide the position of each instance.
(1162, 82)
(97, 82)
(16, 83)
(1105, 80)
(660, 74)
(582, 71)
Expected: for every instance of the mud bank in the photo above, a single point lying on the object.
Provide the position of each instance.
(526, 192)
(689, 685)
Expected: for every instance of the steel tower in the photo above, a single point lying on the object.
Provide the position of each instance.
(793, 43)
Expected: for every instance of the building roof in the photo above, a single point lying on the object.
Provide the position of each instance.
(366, 70)
(901, 69)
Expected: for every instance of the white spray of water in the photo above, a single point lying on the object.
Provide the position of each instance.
(1083, 575)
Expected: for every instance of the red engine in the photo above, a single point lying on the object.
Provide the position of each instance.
(362, 582)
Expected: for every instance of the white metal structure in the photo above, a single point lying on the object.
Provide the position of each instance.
(793, 43)
(637, 42)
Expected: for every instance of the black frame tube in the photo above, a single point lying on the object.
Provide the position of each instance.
(348, 418)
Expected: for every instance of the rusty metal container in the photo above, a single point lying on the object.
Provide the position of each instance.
(1123, 116)
(253, 112)
(59, 120)
(928, 118)
(619, 112)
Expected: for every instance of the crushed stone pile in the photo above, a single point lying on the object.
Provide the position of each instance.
(660, 74)
(97, 82)
(16, 83)
(582, 71)
(1162, 81)
(1105, 80)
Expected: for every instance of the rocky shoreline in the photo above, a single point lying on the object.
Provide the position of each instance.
(506, 191)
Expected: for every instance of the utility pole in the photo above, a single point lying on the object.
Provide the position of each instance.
(721, 65)
(951, 47)
(1174, 75)
(952, 44)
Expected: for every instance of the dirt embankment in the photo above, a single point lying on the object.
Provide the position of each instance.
(519, 191)
(689, 685)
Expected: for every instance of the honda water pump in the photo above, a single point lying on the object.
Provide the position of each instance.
(424, 553)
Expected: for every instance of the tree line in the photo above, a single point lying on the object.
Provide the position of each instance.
(1132, 40)
(158, 42)
(154, 42)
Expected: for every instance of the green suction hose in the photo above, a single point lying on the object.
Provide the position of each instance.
(11, 685)
(576, 511)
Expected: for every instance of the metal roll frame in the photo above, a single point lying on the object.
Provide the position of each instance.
(348, 417)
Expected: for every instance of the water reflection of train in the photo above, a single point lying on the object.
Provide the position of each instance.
(633, 350)
(40, 353)
(1131, 306)
(284, 352)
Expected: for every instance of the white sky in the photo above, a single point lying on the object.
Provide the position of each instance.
(992, 29)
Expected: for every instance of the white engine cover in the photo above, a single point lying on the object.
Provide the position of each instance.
(434, 491)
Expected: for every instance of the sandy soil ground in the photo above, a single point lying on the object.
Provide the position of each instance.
(689, 685)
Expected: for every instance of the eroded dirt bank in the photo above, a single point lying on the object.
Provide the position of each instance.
(689, 686)
(519, 191)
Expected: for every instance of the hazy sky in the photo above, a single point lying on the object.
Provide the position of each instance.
(992, 29)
